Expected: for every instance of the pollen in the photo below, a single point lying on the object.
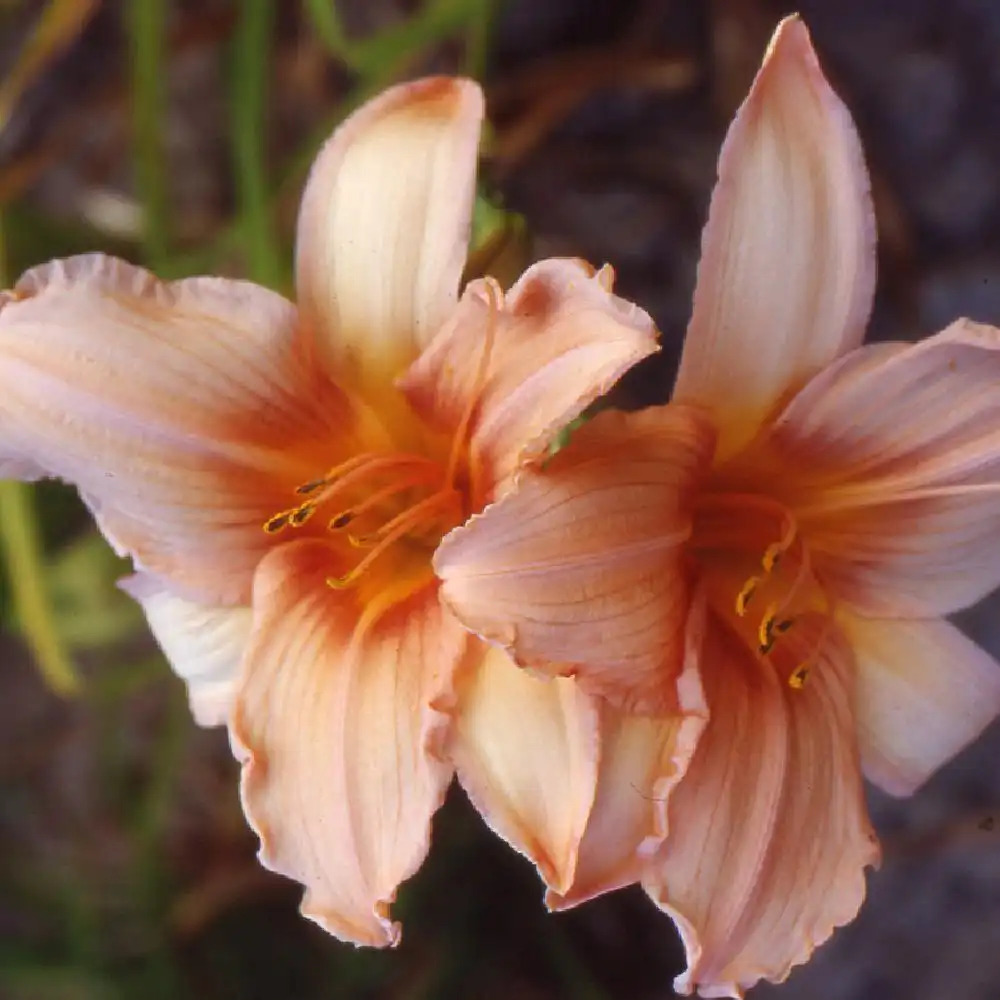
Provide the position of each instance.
(798, 677)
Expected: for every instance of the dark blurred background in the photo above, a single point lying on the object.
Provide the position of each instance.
(177, 134)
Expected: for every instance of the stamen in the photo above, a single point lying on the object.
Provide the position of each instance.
(300, 515)
(770, 628)
(312, 486)
(416, 478)
(745, 595)
(391, 532)
(798, 677)
(765, 631)
(459, 442)
(279, 521)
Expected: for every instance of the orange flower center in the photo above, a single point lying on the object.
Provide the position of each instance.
(756, 565)
(375, 501)
(383, 504)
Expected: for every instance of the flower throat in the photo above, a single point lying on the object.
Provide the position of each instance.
(402, 497)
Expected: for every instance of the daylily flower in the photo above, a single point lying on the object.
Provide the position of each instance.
(765, 561)
(281, 476)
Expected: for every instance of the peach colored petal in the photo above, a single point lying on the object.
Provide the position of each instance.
(581, 569)
(183, 412)
(924, 692)
(560, 340)
(892, 458)
(769, 835)
(203, 644)
(526, 752)
(384, 226)
(339, 727)
(787, 272)
(642, 760)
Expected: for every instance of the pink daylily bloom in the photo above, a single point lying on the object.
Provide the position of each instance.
(755, 574)
(282, 474)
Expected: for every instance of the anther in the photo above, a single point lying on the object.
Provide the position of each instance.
(275, 524)
(770, 628)
(765, 635)
(772, 556)
(312, 486)
(745, 595)
(798, 677)
(342, 520)
(300, 515)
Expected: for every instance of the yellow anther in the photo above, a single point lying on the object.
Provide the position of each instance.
(772, 556)
(280, 521)
(342, 520)
(745, 595)
(798, 677)
(300, 515)
(770, 628)
(312, 486)
(765, 631)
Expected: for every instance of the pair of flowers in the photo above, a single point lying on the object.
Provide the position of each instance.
(727, 606)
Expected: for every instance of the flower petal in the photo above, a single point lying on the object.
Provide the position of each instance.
(183, 412)
(339, 727)
(892, 460)
(204, 645)
(526, 752)
(384, 226)
(924, 692)
(580, 570)
(787, 272)
(768, 830)
(559, 340)
(642, 760)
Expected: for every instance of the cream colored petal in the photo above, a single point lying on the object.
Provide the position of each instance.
(340, 730)
(788, 255)
(526, 751)
(183, 412)
(203, 644)
(581, 569)
(642, 760)
(769, 835)
(925, 691)
(892, 458)
(384, 226)
(526, 367)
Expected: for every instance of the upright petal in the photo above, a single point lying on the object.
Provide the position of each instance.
(526, 365)
(526, 752)
(642, 760)
(339, 727)
(768, 831)
(891, 460)
(924, 692)
(787, 271)
(184, 412)
(580, 570)
(384, 226)
(204, 645)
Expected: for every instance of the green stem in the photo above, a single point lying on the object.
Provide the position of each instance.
(147, 25)
(477, 37)
(20, 543)
(21, 548)
(253, 41)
